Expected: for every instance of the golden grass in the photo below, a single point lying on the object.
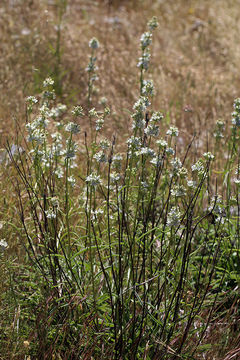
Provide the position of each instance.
(195, 60)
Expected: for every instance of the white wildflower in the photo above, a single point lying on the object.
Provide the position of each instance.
(170, 151)
(93, 112)
(153, 23)
(31, 100)
(176, 166)
(50, 214)
(146, 40)
(115, 177)
(59, 172)
(198, 167)
(99, 124)
(156, 116)
(104, 144)
(71, 180)
(191, 184)
(173, 131)
(103, 100)
(48, 82)
(55, 202)
(77, 111)
(178, 191)
(94, 43)
(157, 161)
(173, 219)
(100, 157)
(72, 128)
(134, 142)
(138, 124)
(148, 88)
(161, 143)
(3, 245)
(71, 150)
(152, 130)
(116, 161)
(146, 151)
(236, 181)
(93, 180)
(143, 61)
(141, 104)
(208, 156)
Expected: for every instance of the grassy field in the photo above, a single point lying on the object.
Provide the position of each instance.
(120, 176)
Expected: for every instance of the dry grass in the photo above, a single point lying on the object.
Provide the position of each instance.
(195, 62)
(195, 56)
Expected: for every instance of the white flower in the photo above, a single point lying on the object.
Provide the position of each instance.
(152, 130)
(141, 104)
(236, 181)
(153, 23)
(178, 191)
(59, 172)
(236, 104)
(104, 144)
(93, 180)
(77, 111)
(144, 186)
(208, 156)
(191, 184)
(157, 161)
(146, 39)
(72, 128)
(100, 157)
(173, 218)
(71, 180)
(148, 88)
(71, 150)
(57, 111)
(50, 214)
(134, 142)
(173, 131)
(116, 161)
(146, 151)
(31, 100)
(138, 124)
(103, 100)
(162, 143)
(176, 166)
(37, 135)
(95, 214)
(236, 118)
(55, 202)
(93, 113)
(170, 151)
(115, 177)
(156, 116)
(99, 124)
(198, 167)
(3, 245)
(94, 43)
(143, 61)
(48, 82)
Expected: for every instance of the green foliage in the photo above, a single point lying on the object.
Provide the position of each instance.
(126, 255)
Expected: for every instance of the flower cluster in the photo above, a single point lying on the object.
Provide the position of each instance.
(174, 216)
(236, 113)
(93, 180)
(73, 128)
(172, 131)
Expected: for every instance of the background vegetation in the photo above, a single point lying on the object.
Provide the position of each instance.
(144, 264)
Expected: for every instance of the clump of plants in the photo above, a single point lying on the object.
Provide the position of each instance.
(131, 248)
